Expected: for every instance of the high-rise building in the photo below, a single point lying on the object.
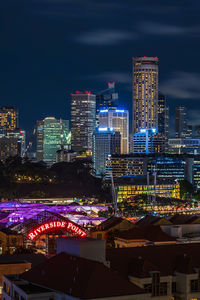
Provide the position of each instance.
(8, 118)
(148, 141)
(180, 122)
(117, 119)
(39, 140)
(83, 115)
(106, 99)
(145, 93)
(163, 116)
(105, 143)
(51, 136)
(9, 146)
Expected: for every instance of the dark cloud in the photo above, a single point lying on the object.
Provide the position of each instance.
(168, 29)
(120, 77)
(104, 37)
(182, 85)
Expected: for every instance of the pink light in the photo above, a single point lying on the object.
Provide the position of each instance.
(77, 92)
(156, 57)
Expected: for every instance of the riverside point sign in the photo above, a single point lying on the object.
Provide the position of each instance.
(50, 226)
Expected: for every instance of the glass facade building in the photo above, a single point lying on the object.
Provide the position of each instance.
(117, 119)
(105, 143)
(83, 120)
(180, 122)
(51, 136)
(148, 141)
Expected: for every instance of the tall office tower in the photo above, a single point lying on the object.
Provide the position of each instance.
(83, 113)
(39, 140)
(51, 136)
(163, 116)
(145, 93)
(117, 119)
(105, 143)
(106, 99)
(8, 118)
(180, 122)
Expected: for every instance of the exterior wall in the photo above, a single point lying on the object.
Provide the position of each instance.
(17, 268)
(122, 243)
(9, 242)
(182, 230)
(88, 248)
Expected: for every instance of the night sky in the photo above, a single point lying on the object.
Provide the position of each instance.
(50, 48)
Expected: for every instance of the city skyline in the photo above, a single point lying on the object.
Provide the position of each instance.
(43, 62)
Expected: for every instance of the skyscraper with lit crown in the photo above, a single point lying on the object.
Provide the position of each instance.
(145, 93)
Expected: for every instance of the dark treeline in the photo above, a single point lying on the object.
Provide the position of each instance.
(23, 178)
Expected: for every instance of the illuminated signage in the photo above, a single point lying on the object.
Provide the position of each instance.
(45, 228)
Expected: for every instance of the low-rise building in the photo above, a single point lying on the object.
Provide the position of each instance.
(112, 224)
(129, 187)
(143, 236)
(9, 241)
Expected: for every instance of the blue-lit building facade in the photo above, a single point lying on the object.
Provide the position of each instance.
(168, 167)
(105, 143)
(148, 141)
(118, 120)
(184, 145)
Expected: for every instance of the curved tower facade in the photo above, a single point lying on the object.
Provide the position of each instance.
(145, 93)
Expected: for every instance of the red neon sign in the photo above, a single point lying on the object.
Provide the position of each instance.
(45, 228)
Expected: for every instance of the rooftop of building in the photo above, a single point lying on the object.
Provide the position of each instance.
(150, 233)
(30, 288)
(152, 220)
(156, 155)
(25, 286)
(85, 279)
(109, 223)
(166, 259)
(34, 259)
(178, 219)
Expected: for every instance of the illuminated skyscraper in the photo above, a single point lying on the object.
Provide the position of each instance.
(8, 118)
(83, 114)
(105, 143)
(51, 136)
(118, 120)
(145, 93)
